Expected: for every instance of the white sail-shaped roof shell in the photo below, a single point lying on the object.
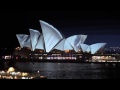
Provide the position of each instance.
(88, 49)
(75, 42)
(63, 45)
(34, 35)
(40, 44)
(27, 42)
(83, 38)
(21, 38)
(60, 45)
(96, 47)
(84, 47)
(51, 36)
(67, 45)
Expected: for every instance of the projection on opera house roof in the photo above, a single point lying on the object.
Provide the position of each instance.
(51, 39)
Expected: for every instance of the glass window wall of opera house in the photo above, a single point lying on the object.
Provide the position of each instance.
(52, 45)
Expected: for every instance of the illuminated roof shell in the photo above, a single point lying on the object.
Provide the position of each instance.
(40, 44)
(34, 35)
(96, 47)
(27, 42)
(84, 47)
(51, 35)
(22, 39)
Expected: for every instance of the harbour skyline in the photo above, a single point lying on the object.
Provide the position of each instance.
(60, 45)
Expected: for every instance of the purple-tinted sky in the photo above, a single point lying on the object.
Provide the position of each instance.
(99, 26)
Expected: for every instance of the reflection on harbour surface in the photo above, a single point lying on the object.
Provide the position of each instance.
(68, 70)
(72, 70)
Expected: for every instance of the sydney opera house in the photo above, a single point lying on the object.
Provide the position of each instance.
(51, 44)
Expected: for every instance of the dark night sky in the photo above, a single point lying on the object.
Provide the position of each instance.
(100, 26)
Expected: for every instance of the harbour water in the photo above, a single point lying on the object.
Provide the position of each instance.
(72, 70)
